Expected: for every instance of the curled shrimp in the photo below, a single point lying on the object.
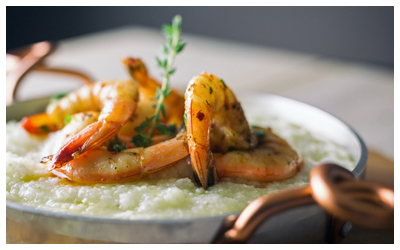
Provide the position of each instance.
(77, 122)
(215, 122)
(272, 159)
(173, 105)
(116, 101)
(53, 119)
(102, 165)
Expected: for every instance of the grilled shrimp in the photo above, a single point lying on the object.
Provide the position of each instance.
(102, 165)
(272, 159)
(174, 104)
(215, 122)
(116, 101)
(53, 120)
(78, 122)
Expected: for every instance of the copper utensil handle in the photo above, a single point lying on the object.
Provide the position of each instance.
(33, 59)
(364, 203)
(37, 53)
(332, 187)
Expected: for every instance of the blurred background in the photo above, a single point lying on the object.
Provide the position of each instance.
(357, 33)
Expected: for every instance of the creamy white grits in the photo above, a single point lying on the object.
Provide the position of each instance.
(170, 193)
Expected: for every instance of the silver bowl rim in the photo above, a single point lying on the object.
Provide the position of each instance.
(357, 171)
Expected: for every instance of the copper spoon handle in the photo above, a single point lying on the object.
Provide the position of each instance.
(332, 187)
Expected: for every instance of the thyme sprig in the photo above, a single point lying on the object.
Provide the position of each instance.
(171, 48)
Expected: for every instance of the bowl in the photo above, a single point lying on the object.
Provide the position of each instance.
(300, 225)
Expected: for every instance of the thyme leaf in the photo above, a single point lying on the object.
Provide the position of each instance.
(171, 48)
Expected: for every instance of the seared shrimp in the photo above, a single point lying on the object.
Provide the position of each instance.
(215, 122)
(272, 159)
(101, 165)
(78, 122)
(174, 104)
(53, 120)
(117, 101)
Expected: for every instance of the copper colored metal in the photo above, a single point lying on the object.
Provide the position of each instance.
(37, 52)
(17, 66)
(259, 210)
(68, 72)
(335, 189)
(364, 203)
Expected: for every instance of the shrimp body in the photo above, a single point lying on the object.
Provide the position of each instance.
(174, 105)
(101, 165)
(272, 159)
(116, 101)
(81, 100)
(215, 122)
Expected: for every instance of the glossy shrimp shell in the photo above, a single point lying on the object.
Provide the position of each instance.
(215, 122)
(271, 160)
(174, 105)
(117, 102)
(100, 165)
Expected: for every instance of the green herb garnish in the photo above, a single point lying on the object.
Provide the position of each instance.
(185, 118)
(117, 144)
(119, 148)
(57, 97)
(171, 48)
(44, 128)
(259, 133)
(223, 83)
(67, 119)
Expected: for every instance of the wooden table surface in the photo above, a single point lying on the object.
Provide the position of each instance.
(361, 95)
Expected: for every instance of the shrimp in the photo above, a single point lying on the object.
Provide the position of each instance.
(102, 165)
(117, 101)
(174, 105)
(272, 159)
(52, 120)
(78, 122)
(215, 122)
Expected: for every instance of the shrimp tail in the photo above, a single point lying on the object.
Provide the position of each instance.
(86, 139)
(212, 177)
(39, 124)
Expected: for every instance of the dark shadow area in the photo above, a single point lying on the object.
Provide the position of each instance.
(356, 33)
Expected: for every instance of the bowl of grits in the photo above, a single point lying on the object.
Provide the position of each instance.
(168, 207)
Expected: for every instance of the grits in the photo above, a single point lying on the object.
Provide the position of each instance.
(169, 193)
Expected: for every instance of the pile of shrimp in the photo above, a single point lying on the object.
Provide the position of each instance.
(215, 135)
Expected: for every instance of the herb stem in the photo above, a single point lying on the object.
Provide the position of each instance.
(171, 48)
(172, 51)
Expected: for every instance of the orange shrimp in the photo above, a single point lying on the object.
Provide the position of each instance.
(272, 159)
(211, 106)
(174, 105)
(101, 165)
(117, 101)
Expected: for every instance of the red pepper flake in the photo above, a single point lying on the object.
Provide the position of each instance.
(200, 115)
